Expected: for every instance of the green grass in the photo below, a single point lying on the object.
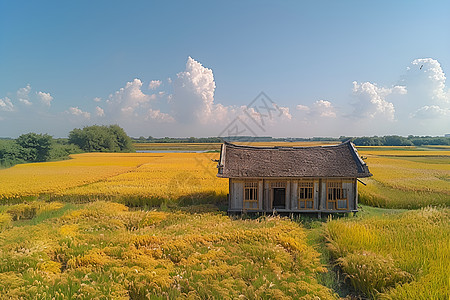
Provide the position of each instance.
(366, 211)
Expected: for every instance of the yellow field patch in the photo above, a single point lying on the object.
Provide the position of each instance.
(160, 175)
(406, 178)
(405, 256)
(169, 176)
(56, 177)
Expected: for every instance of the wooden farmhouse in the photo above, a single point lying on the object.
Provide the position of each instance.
(292, 179)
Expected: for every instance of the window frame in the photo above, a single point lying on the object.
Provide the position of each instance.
(251, 196)
(308, 187)
(338, 192)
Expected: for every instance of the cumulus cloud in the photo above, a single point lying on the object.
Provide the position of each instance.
(6, 104)
(320, 108)
(129, 98)
(371, 100)
(324, 108)
(426, 77)
(193, 97)
(46, 98)
(429, 95)
(159, 116)
(302, 107)
(419, 103)
(154, 84)
(431, 112)
(75, 111)
(285, 112)
(99, 111)
(23, 95)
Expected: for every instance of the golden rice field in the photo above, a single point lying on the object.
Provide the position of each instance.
(406, 178)
(56, 177)
(143, 176)
(102, 250)
(402, 178)
(396, 256)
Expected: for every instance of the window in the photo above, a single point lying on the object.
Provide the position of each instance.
(336, 195)
(306, 195)
(251, 195)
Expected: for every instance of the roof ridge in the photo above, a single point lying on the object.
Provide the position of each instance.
(283, 147)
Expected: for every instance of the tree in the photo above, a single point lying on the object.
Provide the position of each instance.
(10, 153)
(101, 139)
(395, 140)
(36, 147)
(123, 140)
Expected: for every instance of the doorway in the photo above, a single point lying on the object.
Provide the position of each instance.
(279, 198)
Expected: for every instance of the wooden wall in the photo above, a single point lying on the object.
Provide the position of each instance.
(265, 194)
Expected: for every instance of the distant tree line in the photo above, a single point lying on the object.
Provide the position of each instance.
(395, 140)
(33, 147)
(151, 139)
(390, 140)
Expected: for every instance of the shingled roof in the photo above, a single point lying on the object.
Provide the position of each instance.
(237, 161)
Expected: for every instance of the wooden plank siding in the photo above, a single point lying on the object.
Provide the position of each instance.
(321, 188)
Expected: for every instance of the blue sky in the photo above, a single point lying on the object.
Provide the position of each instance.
(331, 67)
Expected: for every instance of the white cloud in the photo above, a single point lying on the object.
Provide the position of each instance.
(371, 100)
(320, 108)
(431, 112)
(6, 104)
(46, 98)
(324, 108)
(130, 98)
(23, 95)
(157, 115)
(154, 84)
(133, 109)
(285, 112)
(302, 107)
(426, 77)
(26, 102)
(194, 106)
(193, 97)
(426, 108)
(78, 112)
(419, 104)
(399, 89)
(99, 111)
